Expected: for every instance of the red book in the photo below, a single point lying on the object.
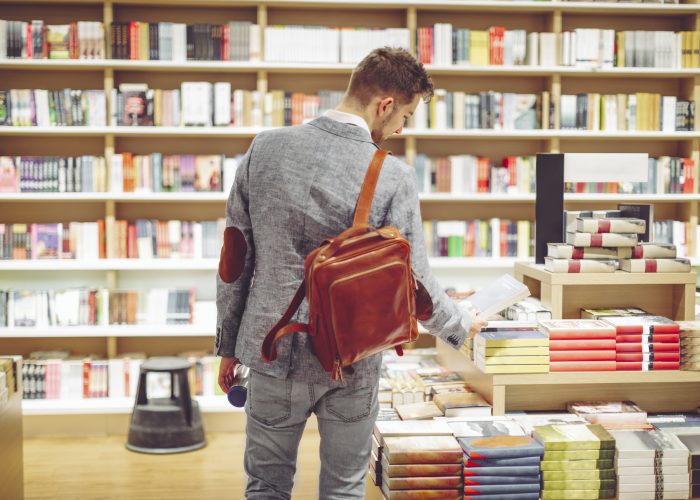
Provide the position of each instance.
(673, 338)
(643, 324)
(653, 347)
(689, 174)
(653, 365)
(556, 356)
(86, 378)
(566, 329)
(647, 357)
(582, 366)
(582, 345)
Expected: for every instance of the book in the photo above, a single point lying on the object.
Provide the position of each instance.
(485, 480)
(582, 344)
(501, 462)
(565, 251)
(418, 411)
(604, 313)
(557, 475)
(577, 329)
(649, 444)
(654, 251)
(648, 338)
(574, 465)
(611, 415)
(504, 369)
(497, 296)
(500, 447)
(573, 437)
(422, 450)
(421, 494)
(461, 403)
(420, 483)
(579, 266)
(579, 484)
(610, 225)
(577, 494)
(511, 338)
(639, 211)
(411, 428)
(420, 470)
(642, 324)
(581, 356)
(582, 366)
(500, 489)
(601, 240)
(507, 471)
(568, 455)
(655, 265)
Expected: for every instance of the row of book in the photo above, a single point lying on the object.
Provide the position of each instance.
(479, 238)
(53, 108)
(58, 375)
(207, 104)
(444, 44)
(120, 239)
(38, 40)
(52, 174)
(100, 307)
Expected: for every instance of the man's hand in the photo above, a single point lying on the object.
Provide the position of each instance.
(226, 372)
(476, 326)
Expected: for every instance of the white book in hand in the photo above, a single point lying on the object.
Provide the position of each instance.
(655, 265)
(500, 294)
(601, 240)
(579, 265)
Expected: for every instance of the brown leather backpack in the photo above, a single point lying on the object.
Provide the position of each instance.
(360, 289)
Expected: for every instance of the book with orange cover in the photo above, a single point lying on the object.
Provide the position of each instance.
(581, 345)
(583, 366)
(672, 338)
(422, 450)
(651, 347)
(648, 356)
(650, 366)
(420, 470)
(643, 324)
(576, 355)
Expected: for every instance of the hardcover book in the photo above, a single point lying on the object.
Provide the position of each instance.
(582, 366)
(565, 329)
(581, 356)
(574, 437)
(422, 483)
(601, 240)
(501, 447)
(654, 251)
(571, 465)
(500, 462)
(454, 404)
(500, 489)
(392, 428)
(565, 251)
(579, 484)
(512, 338)
(484, 428)
(567, 455)
(577, 494)
(610, 414)
(645, 324)
(519, 470)
(605, 313)
(419, 411)
(579, 266)
(582, 345)
(421, 494)
(655, 265)
(482, 480)
(422, 450)
(611, 225)
(420, 470)
(557, 475)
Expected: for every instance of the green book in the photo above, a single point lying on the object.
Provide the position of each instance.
(580, 484)
(568, 465)
(579, 455)
(577, 494)
(574, 437)
(568, 475)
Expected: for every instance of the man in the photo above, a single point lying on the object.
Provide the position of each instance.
(294, 188)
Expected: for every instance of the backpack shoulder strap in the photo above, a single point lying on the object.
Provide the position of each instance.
(364, 202)
(281, 328)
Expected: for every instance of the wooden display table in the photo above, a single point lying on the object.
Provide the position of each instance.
(666, 294)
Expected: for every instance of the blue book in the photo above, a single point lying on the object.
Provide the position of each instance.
(511, 496)
(501, 447)
(499, 462)
(481, 480)
(524, 470)
(491, 489)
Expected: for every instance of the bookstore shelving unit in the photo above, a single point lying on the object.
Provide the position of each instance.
(554, 16)
(11, 458)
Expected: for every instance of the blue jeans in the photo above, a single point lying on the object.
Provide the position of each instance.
(277, 410)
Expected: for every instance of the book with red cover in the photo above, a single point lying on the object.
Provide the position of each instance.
(582, 366)
(581, 345)
(643, 324)
(602, 355)
(652, 347)
(420, 470)
(642, 366)
(646, 357)
(422, 450)
(565, 329)
(673, 338)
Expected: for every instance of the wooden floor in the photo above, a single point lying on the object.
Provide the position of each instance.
(102, 468)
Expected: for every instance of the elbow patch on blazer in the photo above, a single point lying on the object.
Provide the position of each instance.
(424, 304)
(232, 256)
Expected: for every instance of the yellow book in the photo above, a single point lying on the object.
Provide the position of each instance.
(523, 239)
(479, 48)
(622, 123)
(158, 107)
(620, 35)
(641, 115)
(508, 369)
(656, 107)
(686, 49)
(515, 338)
(695, 44)
(144, 43)
(432, 109)
(545, 110)
(516, 351)
(513, 360)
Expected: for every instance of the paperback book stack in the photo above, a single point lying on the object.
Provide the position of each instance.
(690, 345)
(655, 258)
(612, 415)
(578, 461)
(646, 343)
(595, 241)
(520, 350)
(580, 345)
(650, 465)
(413, 451)
(381, 471)
(500, 459)
(692, 442)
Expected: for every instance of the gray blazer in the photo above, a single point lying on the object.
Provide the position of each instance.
(295, 187)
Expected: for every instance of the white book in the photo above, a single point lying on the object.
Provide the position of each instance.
(676, 495)
(197, 240)
(601, 240)
(579, 265)
(196, 103)
(643, 488)
(533, 49)
(679, 265)
(649, 474)
(3, 39)
(501, 293)
(548, 49)
(71, 379)
(117, 378)
(222, 103)
(668, 110)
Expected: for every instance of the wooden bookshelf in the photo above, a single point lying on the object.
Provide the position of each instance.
(12, 457)
(555, 16)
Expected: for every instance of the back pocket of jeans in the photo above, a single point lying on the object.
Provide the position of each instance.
(351, 405)
(269, 398)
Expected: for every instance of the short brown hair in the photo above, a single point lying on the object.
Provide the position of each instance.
(393, 71)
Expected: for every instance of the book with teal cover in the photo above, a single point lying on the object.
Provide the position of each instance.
(574, 437)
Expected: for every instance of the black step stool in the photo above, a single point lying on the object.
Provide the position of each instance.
(166, 425)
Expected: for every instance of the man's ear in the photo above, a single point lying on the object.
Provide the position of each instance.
(386, 106)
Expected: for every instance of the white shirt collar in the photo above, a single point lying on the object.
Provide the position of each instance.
(349, 118)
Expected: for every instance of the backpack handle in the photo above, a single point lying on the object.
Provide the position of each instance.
(364, 202)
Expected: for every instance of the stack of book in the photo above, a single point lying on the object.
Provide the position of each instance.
(420, 450)
(612, 415)
(650, 465)
(692, 442)
(646, 343)
(690, 345)
(655, 258)
(500, 459)
(580, 345)
(520, 350)
(578, 461)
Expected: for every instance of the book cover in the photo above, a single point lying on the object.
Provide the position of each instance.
(647, 348)
(648, 356)
(501, 293)
(644, 366)
(419, 411)
(422, 450)
(505, 369)
(579, 484)
(520, 470)
(566, 455)
(643, 324)
(500, 489)
(484, 480)
(574, 475)
(486, 427)
(579, 266)
(574, 437)
(639, 211)
(503, 496)
(655, 265)
(420, 470)
(500, 462)
(571, 465)
(501, 447)
(610, 225)
(654, 251)
(508, 338)
(565, 329)
(452, 403)
(649, 338)
(692, 443)
(649, 444)
(391, 428)
(606, 313)
(515, 351)
(9, 182)
(601, 240)
(609, 413)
